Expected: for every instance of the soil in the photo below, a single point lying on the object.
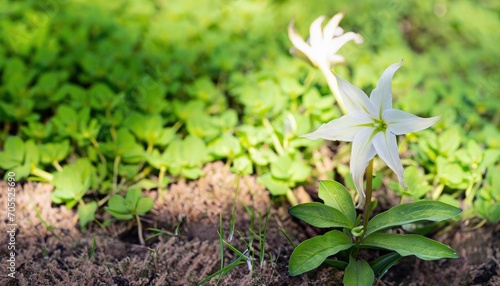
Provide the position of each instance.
(52, 250)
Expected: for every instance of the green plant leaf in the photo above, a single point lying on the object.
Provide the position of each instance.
(73, 181)
(144, 205)
(411, 212)
(275, 187)
(119, 215)
(320, 215)
(86, 214)
(192, 172)
(382, 263)
(280, 169)
(312, 252)
(337, 196)
(358, 273)
(117, 204)
(132, 198)
(13, 153)
(410, 244)
(242, 165)
(54, 152)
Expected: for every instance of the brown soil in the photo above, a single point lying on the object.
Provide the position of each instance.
(55, 252)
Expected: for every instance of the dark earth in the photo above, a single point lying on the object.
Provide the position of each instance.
(52, 250)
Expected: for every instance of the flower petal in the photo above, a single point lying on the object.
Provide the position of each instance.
(332, 25)
(381, 96)
(341, 129)
(315, 33)
(387, 148)
(335, 59)
(297, 41)
(337, 43)
(400, 122)
(354, 98)
(362, 152)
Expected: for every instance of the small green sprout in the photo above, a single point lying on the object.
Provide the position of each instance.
(133, 205)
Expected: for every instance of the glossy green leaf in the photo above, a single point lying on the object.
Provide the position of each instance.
(335, 195)
(382, 263)
(358, 273)
(312, 252)
(411, 212)
(410, 244)
(320, 215)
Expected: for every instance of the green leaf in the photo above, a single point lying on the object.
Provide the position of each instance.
(382, 263)
(280, 169)
(335, 195)
(275, 187)
(54, 152)
(242, 165)
(192, 172)
(117, 204)
(86, 214)
(410, 244)
(74, 179)
(32, 155)
(299, 170)
(312, 252)
(13, 153)
(132, 198)
(320, 215)
(226, 146)
(144, 205)
(411, 212)
(194, 151)
(358, 273)
(119, 215)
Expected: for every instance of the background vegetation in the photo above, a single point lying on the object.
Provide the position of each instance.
(102, 97)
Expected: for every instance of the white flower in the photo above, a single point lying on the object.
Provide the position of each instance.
(372, 125)
(323, 44)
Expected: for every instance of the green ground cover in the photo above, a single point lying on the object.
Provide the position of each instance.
(99, 98)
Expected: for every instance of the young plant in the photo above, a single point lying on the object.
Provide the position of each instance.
(133, 205)
(338, 212)
(372, 125)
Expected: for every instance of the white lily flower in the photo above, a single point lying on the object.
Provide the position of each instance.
(323, 44)
(372, 125)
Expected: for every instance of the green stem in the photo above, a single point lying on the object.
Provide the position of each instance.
(42, 174)
(98, 149)
(291, 198)
(367, 210)
(139, 229)
(163, 169)
(437, 191)
(115, 174)
(276, 141)
(57, 166)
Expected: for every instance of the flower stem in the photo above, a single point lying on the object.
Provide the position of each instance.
(332, 84)
(367, 210)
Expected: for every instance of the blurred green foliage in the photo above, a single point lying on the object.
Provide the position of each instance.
(140, 88)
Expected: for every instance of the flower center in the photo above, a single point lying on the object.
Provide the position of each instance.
(380, 125)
